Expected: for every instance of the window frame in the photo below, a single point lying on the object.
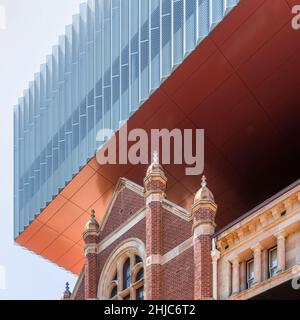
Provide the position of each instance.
(113, 265)
(134, 269)
(250, 281)
(270, 273)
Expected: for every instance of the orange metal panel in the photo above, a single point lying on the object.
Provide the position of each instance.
(77, 267)
(51, 209)
(65, 217)
(58, 248)
(81, 178)
(29, 232)
(75, 230)
(71, 258)
(91, 191)
(42, 239)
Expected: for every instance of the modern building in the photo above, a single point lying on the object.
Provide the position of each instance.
(228, 67)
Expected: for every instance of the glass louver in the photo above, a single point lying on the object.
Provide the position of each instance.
(115, 53)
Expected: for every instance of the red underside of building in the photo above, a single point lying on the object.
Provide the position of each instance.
(241, 85)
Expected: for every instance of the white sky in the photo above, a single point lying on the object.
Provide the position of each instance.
(31, 28)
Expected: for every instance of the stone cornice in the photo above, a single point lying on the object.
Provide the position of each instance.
(262, 220)
(177, 210)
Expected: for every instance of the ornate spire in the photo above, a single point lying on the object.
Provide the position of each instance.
(155, 158)
(93, 216)
(203, 182)
(155, 166)
(92, 224)
(204, 194)
(67, 293)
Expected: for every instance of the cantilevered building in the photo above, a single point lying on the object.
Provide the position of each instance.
(228, 67)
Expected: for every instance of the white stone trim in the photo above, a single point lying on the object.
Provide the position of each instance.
(177, 210)
(204, 228)
(175, 252)
(139, 216)
(260, 235)
(154, 259)
(154, 197)
(187, 244)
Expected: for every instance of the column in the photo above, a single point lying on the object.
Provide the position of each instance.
(215, 258)
(257, 263)
(204, 211)
(281, 259)
(235, 276)
(155, 184)
(243, 276)
(91, 236)
(265, 264)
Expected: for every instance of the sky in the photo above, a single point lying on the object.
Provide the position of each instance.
(28, 29)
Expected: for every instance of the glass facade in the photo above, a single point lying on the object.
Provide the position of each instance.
(115, 53)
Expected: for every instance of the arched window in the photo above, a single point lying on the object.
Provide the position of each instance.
(114, 291)
(139, 275)
(126, 274)
(122, 277)
(130, 274)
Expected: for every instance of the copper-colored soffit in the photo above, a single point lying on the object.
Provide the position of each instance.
(241, 85)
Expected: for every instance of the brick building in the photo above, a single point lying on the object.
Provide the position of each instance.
(228, 67)
(147, 247)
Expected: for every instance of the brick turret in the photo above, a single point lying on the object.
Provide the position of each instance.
(155, 184)
(91, 236)
(204, 211)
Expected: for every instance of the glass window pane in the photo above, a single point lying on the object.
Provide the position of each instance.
(126, 274)
(114, 291)
(139, 275)
(140, 293)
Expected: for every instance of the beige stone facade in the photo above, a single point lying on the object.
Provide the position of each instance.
(247, 245)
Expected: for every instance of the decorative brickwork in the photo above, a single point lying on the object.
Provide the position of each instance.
(204, 212)
(173, 263)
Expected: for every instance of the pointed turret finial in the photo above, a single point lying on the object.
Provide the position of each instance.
(204, 193)
(92, 223)
(155, 158)
(155, 165)
(203, 182)
(67, 293)
(93, 216)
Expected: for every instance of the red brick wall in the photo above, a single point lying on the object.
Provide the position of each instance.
(91, 276)
(80, 292)
(174, 280)
(203, 267)
(126, 204)
(175, 231)
(178, 277)
(138, 231)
